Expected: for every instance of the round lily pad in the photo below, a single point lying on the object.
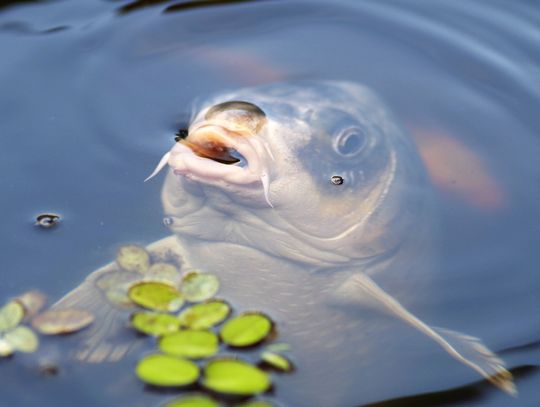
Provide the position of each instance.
(198, 287)
(276, 361)
(156, 295)
(155, 323)
(167, 371)
(205, 315)
(11, 315)
(190, 344)
(232, 376)
(133, 258)
(62, 321)
(166, 272)
(32, 302)
(192, 400)
(247, 329)
(6, 349)
(22, 339)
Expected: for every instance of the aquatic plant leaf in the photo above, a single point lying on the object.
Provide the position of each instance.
(277, 361)
(165, 272)
(32, 302)
(156, 296)
(192, 400)
(154, 323)
(205, 315)
(115, 284)
(190, 344)
(6, 349)
(246, 329)
(133, 258)
(232, 376)
(11, 315)
(62, 321)
(278, 347)
(22, 339)
(168, 371)
(198, 287)
(118, 279)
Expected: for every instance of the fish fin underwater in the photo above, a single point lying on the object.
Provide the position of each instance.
(467, 349)
(106, 340)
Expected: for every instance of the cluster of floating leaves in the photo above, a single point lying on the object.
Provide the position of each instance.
(15, 337)
(192, 327)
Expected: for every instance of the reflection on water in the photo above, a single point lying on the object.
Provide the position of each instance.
(86, 111)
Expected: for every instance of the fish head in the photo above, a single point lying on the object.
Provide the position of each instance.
(315, 172)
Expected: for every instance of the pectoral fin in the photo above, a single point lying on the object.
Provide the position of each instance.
(107, 339)
(466, 349)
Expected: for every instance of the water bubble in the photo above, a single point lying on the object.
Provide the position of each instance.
(47, 220)
(168, 221)
(337, 180)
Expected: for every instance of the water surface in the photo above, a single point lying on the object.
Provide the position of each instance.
(93, 91)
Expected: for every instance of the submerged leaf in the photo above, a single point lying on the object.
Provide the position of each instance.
(192, 400)
(32, 302)
(156, 296)
(190, 344)
(115, 284)
(198, 287)
(205, 315)
(62, 321)
(166, 272)
(22, 339)
(232, 376)
(247, 329)
(277, 361)
(133, 258)
(167, 371)
(11, 315)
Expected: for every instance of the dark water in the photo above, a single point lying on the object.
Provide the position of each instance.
(92, 91)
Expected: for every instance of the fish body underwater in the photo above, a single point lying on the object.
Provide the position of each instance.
(305, 199)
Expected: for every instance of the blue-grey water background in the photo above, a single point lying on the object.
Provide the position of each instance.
(92, 91)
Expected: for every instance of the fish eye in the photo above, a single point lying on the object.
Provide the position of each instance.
(242, 113)
(350, 142)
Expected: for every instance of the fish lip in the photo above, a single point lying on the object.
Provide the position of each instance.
(185, 161)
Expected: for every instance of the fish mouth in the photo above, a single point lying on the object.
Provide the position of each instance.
(213, 153)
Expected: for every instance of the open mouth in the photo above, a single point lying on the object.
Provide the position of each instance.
(217, 152)
(212, 153)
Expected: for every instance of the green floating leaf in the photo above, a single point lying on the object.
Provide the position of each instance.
(247, 329)
(156, 296)
(198, 287)
(167, 371)
(6, 349)
(11, 315)
(205, 315)
(190, 344)
(133, 258)
(62, 321)
(22, 339)
(155, 323)
(232, 376)
(192, 400)
(277, 361)
(166, 272)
